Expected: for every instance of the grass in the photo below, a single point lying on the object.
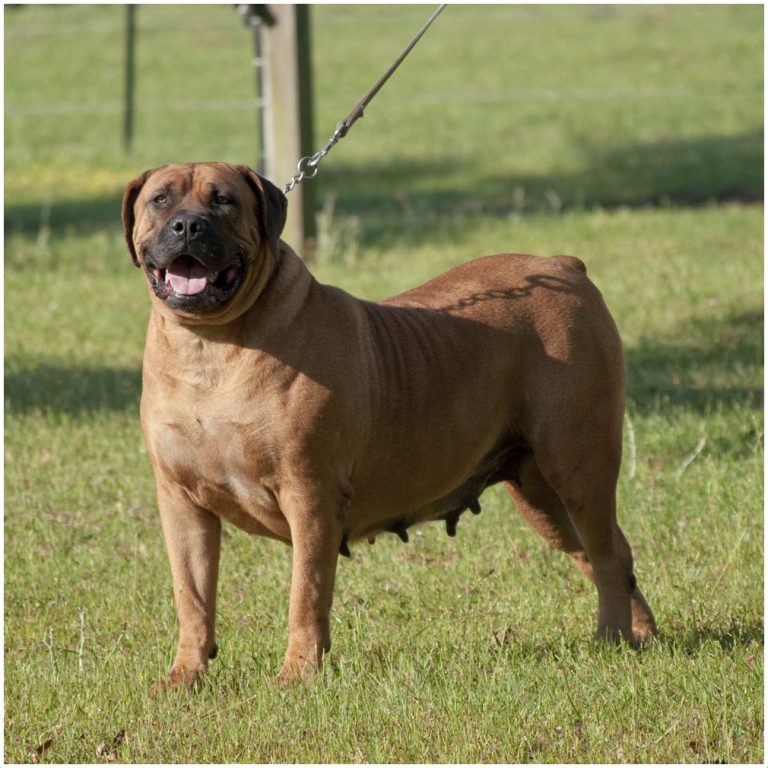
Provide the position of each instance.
(630, 136)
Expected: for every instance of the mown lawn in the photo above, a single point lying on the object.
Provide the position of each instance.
(630, 136)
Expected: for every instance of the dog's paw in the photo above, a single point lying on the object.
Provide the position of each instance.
(644, 628)
(178, 677)
(644, 631)
(296, 672)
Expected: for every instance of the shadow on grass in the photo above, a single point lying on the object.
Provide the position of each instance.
(704, 370)
(73, 391)
(404, 198)
(716, 367)
(393, 199)
(79, 216)
(730, 638)
(689, 642)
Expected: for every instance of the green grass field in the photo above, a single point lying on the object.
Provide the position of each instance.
(630, 136)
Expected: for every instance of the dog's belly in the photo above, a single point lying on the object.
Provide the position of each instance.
(410, 499)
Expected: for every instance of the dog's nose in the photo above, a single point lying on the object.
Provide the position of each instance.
(189, 225)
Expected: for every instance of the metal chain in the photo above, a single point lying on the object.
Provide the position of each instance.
(308, 166)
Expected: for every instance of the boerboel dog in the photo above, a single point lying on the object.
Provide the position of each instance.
(296, 411)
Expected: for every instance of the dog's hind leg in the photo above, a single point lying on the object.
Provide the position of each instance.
(542, 508)
(623, 610)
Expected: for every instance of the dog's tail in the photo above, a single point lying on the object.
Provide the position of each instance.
(573, 263)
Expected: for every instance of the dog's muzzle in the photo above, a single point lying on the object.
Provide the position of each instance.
(190, 267)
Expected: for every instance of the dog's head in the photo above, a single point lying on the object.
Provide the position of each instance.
(205, 234)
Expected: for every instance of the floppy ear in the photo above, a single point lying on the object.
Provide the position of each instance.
(272, 207)
(129, 215)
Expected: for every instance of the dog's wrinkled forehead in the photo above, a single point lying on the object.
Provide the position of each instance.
(201, 184)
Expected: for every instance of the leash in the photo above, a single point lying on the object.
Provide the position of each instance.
(308, 166)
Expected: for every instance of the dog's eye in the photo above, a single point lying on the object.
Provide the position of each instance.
(221, 200)
(159, 199)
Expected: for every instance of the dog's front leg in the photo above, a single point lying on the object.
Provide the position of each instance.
(193, 539)
(316, 535)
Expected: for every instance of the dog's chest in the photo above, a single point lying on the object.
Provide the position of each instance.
(223, 466)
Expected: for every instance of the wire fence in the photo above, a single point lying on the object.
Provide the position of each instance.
(16, 34)
(673, 93)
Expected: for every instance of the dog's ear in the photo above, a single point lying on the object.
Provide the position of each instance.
(129, 215)
(272, 206)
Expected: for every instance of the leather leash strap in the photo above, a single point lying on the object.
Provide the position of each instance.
(308, 166)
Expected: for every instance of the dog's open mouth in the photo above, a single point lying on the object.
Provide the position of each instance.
(186, 281)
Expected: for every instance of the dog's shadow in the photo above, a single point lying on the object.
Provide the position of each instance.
(689, 642)
(731, 638)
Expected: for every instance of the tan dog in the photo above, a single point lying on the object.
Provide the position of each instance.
(293, 410)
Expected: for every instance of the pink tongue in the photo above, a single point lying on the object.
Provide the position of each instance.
(187, 279)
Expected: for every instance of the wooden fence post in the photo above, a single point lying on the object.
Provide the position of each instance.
(130, 66)
(289, 133)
